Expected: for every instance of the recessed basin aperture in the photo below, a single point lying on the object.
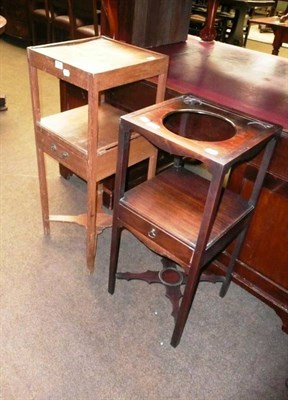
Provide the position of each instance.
(199, 125)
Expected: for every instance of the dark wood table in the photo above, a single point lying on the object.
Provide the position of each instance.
(241, 7)
(3, 23)
(231, 76)
(280, 30)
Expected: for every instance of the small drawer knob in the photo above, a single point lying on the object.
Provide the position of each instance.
(64, 155)
(152, 233)
(53, 147)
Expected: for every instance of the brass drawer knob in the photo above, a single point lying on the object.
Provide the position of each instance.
(64, 155)
(152, 233)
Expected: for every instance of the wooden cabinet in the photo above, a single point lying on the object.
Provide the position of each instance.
(148, 23)
(16, 13)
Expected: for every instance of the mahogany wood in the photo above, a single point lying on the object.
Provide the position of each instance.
(148, 23)
(85, 138)
(178, 214)
(17, 15)
(267, 99)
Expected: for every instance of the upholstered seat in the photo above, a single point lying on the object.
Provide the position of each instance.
(40, 14)
(86, 18)
(62, 21)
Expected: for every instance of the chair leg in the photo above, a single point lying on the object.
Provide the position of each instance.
(115, 245)
(246, 33)
(49, 32)
(43, 191)
(33, 33)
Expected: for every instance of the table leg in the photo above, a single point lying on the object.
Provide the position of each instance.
(236, 35)
(277, 42)
(208, 33)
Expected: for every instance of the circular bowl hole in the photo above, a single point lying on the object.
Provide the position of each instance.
(171, 277)
(199, 125)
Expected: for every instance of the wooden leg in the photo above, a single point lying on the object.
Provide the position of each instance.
(236, 251)
(208, 33)
(277, 42)
(114, 255)
(152, 165)
(210, 209)
(187, 300)
(43, 190)
(91, 230)
(65, 172)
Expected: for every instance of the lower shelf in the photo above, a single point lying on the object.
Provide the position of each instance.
(165, 192)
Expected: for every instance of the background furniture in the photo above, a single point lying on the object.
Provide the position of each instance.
(179, 214)
(144, 23)
(109, 19)
(85, 139)
(17, 15)
(280, 30)
(3, 23)
(149, 23)
(88, 12)
(63, 23)
(241, 7)
(40, 14)
(222, 24)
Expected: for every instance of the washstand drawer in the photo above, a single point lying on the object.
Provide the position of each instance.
(148, 233)
(63, 153)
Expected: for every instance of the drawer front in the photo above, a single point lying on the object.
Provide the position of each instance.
(63, 153)
(151, 235)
